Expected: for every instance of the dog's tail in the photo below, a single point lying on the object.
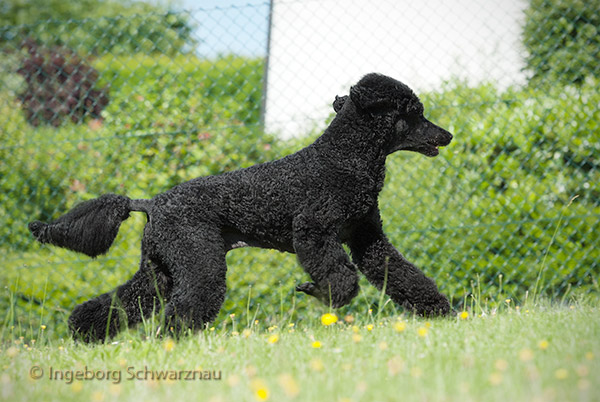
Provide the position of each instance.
(91, 227)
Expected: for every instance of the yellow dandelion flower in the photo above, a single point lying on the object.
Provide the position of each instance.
(98, 396)
(589, 356)
(122, 362)
(261, 391)
(525, 355)
(355, 329)
(583, 370)
(416, 372)
(316, 344)
(246, 333)
(273, 339)
(501, 365)
(211, 329)
(399, 326)
(356, 338)
(316, 365)
(464, 315)
(328, 319)
(395, 365)
(495, 378)
(291, 325)
(232, 316)
(561, 374)
(12, 351)
(361, 387)
(169, 345)
(262, 394)
(43, 327)
(507, 301)
(543, 344)
(583, 384)
(114, 389)
(428, 324)
(234, 333)
(289, 385)
(349, 319)
(250, 371)
(76, 387)
(370, 327)
(422, 332)
(233, 380)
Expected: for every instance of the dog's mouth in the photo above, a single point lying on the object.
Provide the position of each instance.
(432, 148)
(429, 149)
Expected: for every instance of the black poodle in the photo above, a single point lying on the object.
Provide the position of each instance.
(308, 203)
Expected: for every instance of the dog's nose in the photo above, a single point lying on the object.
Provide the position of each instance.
(442, 136)
(449, 137)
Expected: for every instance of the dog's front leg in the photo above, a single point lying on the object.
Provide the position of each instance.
(322, 256)
(383, 266)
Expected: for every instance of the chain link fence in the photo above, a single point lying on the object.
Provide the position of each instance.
(137, 104)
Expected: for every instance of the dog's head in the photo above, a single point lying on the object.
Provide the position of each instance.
(381, 97)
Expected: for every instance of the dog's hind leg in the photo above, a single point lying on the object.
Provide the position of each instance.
(383, 266)
(137, 298)
(322, 256)
(194, 254)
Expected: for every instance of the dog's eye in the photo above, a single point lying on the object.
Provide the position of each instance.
(401, 126)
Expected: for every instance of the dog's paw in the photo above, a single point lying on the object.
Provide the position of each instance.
(89, 321)
(437, 307)
(310, 289)
(36, 228)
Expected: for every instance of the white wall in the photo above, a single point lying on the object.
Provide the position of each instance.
(319, 48)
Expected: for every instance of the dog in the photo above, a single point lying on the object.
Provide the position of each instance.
(309, 203)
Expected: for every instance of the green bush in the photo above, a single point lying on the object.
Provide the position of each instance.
(517, 159)
(562, 39)
(97, 26)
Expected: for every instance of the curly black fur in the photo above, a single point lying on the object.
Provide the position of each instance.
(308, 203)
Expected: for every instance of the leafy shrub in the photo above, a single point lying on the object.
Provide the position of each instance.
(60, 86)
(517, 159)
(97, 26)
(563, 40)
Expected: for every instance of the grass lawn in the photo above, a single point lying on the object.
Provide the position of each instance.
(540, 352)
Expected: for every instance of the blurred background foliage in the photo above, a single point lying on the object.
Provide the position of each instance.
(492, 208)
(562, 39)
(98, 26)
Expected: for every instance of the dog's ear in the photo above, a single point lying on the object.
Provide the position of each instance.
(338, 103)
(369, 100)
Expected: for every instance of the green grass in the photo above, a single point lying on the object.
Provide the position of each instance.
(535, 352)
